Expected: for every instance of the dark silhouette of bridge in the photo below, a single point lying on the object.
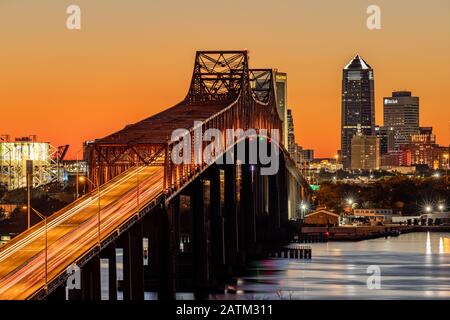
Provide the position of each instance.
(201, 220)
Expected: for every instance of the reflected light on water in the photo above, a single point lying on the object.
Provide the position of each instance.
(338, 270)
(428, 244)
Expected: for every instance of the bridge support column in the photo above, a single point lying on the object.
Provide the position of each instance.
(274, 208)
(200, 197)
(284, 199)
(133, 266)
(248, 196)
(217, 223)
(90, 280)
(262, 223)
(231, 219)
(110, 254)
(160, 272)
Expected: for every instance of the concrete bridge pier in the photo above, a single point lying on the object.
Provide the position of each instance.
(159, 274)
(247, 213)
(133, 266)
(274, 209)
(231, 205)
(216, 175)
(109, 253)
(200, 207)
(90, 280)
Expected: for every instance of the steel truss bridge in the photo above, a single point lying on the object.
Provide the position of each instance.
(187, 225)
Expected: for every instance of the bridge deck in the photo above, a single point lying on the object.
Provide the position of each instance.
(73, 231)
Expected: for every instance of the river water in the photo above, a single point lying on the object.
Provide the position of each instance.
(412, 266)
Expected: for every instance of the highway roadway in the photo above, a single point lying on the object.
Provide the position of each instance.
(73, 231)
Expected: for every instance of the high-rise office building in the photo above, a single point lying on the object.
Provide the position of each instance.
(387, 139)
(358, 105)
(365, 152)
(281, 90)
(401, 113)
(307, 155)
(291, 137)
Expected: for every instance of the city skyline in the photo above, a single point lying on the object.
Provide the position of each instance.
(60, 89)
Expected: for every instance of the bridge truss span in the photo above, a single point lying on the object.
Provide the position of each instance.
(224, 94)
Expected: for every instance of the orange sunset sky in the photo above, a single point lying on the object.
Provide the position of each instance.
(133, 58)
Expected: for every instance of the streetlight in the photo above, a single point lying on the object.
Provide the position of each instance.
(350, 201)
(82, 179)
(303, 207)
(77, 172)
(43, 217)
(428, 209)
(441, 207)
(336, 157)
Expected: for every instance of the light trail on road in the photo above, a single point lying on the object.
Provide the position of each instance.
(73, 231)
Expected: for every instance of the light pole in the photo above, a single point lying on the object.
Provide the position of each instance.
(82, 178)
(303, 207)
(77, 164)
(137, 189)
(336, 157)
(43, 217)
(29, 172)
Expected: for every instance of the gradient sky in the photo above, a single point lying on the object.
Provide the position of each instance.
(133, 58)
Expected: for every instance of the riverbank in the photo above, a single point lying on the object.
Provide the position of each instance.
(358, 233)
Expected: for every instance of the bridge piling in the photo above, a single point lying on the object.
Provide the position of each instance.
(230, 219)
(201, 196)
(133, 266)
(90, 280)
(109, 253)
(248, 213)
(217, 224)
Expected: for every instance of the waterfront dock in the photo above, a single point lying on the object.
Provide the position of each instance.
(357, 233)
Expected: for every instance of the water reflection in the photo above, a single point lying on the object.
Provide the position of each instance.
(413, 266)
(428, 246)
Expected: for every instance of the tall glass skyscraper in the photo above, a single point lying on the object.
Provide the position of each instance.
(281, 89)
(291, 147)
(358, 105)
